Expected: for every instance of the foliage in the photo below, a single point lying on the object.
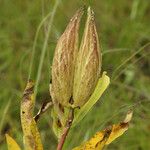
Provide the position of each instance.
(124, 28)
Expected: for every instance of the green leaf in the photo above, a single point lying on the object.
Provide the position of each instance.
(11, 143)
(57, 126)
(59, 119)
(101, 86)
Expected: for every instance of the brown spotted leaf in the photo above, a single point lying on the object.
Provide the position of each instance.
(32, 139)
(106, 136)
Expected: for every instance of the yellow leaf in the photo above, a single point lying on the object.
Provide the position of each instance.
(32, 139)
(11, 143)
(106, 136)
(119, 129)
(36, 136)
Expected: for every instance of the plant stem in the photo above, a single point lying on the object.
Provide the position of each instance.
(44, 47)
(66, 130)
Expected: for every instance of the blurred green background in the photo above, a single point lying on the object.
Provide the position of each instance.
(124, 30)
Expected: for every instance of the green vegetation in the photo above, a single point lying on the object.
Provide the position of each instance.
(123, 28)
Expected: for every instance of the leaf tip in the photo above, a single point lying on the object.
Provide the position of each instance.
(128, 116)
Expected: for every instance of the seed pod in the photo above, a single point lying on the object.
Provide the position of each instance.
(88, 65)
(64, 62)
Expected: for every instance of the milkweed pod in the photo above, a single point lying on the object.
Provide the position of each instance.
(88, 65)
(64, 62)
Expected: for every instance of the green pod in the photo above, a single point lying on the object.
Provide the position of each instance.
(88, 65)
(64, 62)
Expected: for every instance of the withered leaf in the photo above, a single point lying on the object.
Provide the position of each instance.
(106, 136)
(32, 138)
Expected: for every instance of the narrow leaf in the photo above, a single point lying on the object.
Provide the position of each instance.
(99, 90)
(11, 143)
(106, 136)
